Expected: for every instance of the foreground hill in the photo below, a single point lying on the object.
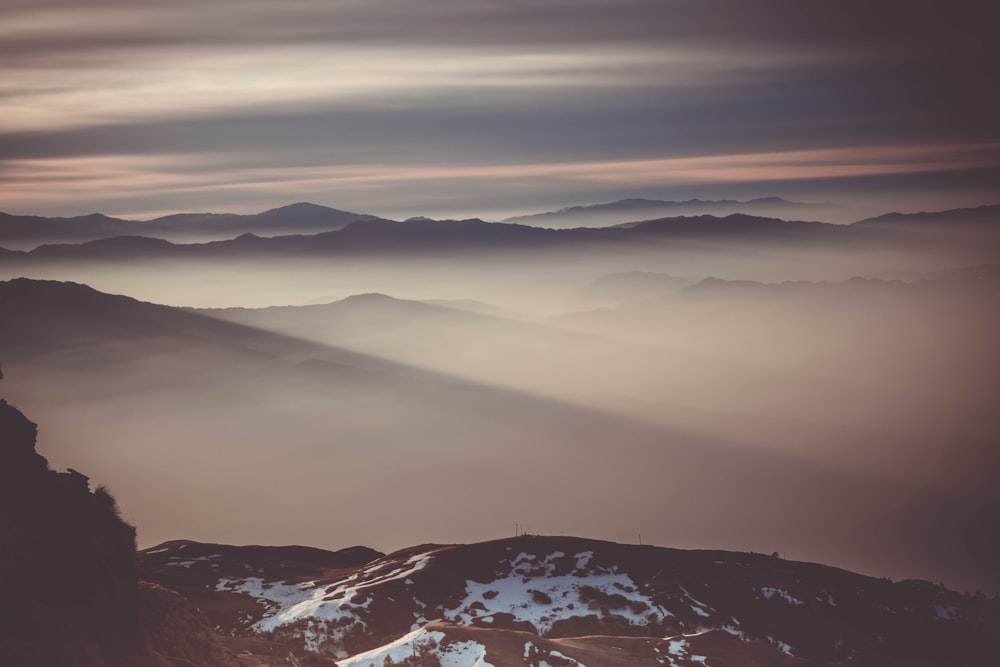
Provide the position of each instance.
(559, 600)
(74, 596)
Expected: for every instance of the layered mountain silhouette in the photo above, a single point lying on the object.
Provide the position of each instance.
(631, 210)
(310, 227)
(980, 223)
(435, 237)
(292, 219)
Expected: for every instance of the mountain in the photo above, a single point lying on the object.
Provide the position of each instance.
(573, 601)
(423, 238)
(70, 593)
(300, 218)
(32, 230)
(633, 210)
(303, 229)
(982, 223)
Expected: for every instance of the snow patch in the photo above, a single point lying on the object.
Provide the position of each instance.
(536, 655)
(422, 642)
(769, 593)
(397, 651)
(736, 632)
(531, 593)
(782, 646)
(333, 610)
(680, 649)
(699, 608)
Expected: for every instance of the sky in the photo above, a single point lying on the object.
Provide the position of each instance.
(493, 108)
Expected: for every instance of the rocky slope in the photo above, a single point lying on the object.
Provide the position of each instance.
(69, 589)
(567, 601)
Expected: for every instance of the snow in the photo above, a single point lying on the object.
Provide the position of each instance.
(677, 647)
(681, 649)
(521, 593)
(177, 561)
(782, 646)
(735, 631)
(769, 593)
(562, 658)
(699, 608)
(333, 610)
(572, 661)
(450, 654)
(945, 613)
(158, 551)
(397, 651)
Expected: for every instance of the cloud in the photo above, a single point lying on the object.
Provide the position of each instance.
(314, 85)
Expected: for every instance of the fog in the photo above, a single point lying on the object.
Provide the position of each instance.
(391, 399)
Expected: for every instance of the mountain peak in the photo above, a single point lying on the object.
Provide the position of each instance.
(302, 207)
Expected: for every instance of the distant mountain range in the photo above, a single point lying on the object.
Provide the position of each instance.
(981, 222)
(298, 218)
(634, 210)
(534, 600)
(310, 229)
(429, 237)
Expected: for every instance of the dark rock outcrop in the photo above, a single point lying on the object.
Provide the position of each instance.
(69, 588)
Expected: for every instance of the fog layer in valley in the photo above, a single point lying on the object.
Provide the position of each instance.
(604, 388)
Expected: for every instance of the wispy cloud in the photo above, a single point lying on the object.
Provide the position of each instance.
(638, 92)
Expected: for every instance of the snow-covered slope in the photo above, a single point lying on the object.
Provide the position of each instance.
(568, 601)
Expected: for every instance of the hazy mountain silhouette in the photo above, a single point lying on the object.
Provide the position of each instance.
(292, 219)
(343, 415)
(297, 218)
(978, 227)
(633, 210)
(37, 229)
(489, 392)
(431, 237)
(310, 229)
(984, 217)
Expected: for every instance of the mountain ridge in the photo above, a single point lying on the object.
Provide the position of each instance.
(292, 218)
(759, 609)
(615, 212)
(473, 235)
